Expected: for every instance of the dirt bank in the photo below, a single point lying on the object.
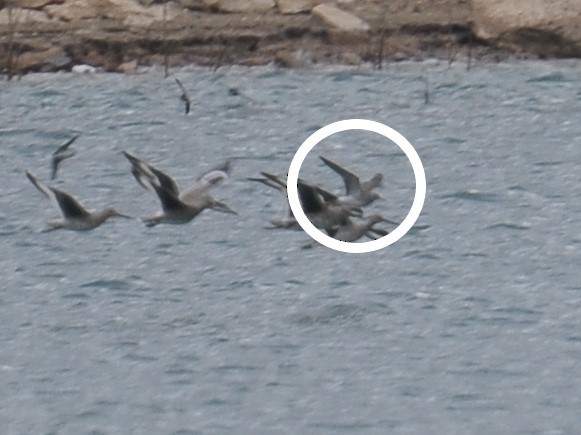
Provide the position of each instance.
(119, 35)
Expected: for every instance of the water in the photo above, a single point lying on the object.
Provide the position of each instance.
(470, 325)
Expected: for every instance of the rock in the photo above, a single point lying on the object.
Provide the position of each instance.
(128, 67)
(84, 69)
(144, 17)
(293, 59)
(148, 3)
(211, 4)
(76, 10)
(172, 11)
(547, 28)
(128, 12)
(107, 59)
(57, 63)
(194, 5)
(240, 6)
(22, 17)
(53, 59)
(339, 20)
(349, 58)
(294, 6)
(37, 4)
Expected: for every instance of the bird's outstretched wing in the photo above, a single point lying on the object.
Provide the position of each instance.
(69, 205)
(61, 153)
(37, 183)
(185, 97)
(351, 181)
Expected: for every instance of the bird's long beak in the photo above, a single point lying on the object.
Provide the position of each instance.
(220, 206)
(389, 221)
(356, 211)
(123, 215)
(379, 232)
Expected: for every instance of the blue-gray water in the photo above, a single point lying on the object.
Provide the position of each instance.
(469, 326)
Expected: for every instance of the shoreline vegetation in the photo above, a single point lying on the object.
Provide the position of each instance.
(124, 35)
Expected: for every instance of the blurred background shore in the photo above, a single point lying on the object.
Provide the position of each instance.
(125, 35)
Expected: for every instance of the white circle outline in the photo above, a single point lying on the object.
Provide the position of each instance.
(374, 127)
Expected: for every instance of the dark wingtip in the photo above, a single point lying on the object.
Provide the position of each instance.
(130, 157)
(326, 160)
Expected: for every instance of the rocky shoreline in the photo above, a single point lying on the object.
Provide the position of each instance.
(123, 35)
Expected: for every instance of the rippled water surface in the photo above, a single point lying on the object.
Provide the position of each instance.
(469, 324)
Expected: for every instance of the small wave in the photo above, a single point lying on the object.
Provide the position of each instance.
(550, 77)
(342, 427)
(466, 397)
(421, 254)
(342, 283)
(75, 329)
(183, 322)
(509, 226)
(330, 314)
(16, 131)
(185, 432)
(48, 93)
(138, 124)
(313, 128)
(472, 195)
(342, 76)
(511, 316)
(177, 370)
(139, 357)
(245, 283)
(295, 282)
(550, 163)
(453, 140)
(76, 295)
(271, 74)
(8, 232)
(235, 368)
(107, 284)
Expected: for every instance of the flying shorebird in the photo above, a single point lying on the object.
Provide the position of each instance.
(62, 153)
(321, 207)
(357, 193)
(352, 231)
(288, 220)
(185, 97)
(76, 217)
(179, 208)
